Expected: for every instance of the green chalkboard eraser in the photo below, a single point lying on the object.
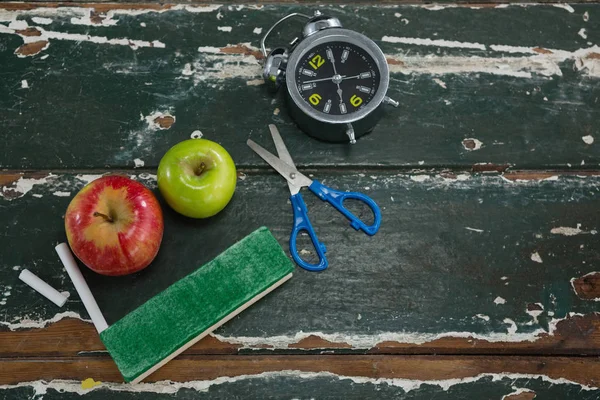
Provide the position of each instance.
(172, 321)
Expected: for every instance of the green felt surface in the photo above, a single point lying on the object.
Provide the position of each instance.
(190, 306)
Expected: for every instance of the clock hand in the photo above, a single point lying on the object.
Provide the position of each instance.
(342, 104)
(320, 80)
(362, 75)
(330, 56)
(336, 78)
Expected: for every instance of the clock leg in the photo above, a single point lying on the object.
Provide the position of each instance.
(350, 133)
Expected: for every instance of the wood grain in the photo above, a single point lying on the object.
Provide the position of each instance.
(521, 396)
(529, 106)
(71, 337)
(588, 286)
(7, 178)
(585, 371)
(483, 275)
(438, 234)
(145, 4)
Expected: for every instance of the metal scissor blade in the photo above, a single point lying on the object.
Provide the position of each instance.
(290, 173)
(284, 154)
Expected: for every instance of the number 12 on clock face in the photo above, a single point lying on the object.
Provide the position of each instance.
(316, 61)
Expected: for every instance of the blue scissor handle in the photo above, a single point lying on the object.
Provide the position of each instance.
(302, 223)
(336, 199)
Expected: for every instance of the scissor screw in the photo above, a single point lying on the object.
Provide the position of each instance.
(293, 175)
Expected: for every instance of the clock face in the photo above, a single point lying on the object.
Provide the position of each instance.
(337, 78)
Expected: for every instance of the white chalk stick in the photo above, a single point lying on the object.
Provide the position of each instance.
(42, 287)
(81, 286)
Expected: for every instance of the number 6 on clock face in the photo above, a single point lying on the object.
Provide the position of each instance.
(355, 101)
(315, 99)
(316, 61)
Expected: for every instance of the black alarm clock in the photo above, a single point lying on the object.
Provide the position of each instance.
(336, 79)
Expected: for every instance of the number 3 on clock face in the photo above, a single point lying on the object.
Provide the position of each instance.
(316, 61)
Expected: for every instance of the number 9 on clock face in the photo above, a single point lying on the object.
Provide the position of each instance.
(337, 78)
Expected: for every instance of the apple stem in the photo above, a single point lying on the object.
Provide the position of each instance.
(106, 217)
(200, 169)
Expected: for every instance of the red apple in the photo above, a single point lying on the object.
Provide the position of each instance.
(114, 225)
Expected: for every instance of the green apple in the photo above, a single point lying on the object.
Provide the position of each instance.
(197, 178)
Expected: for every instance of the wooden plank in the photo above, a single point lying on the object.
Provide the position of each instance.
(73, 337)
(317, 376)
(503, 89)
(149, 4)
(447, 263)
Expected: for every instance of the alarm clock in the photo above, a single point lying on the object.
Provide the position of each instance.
(336, 79)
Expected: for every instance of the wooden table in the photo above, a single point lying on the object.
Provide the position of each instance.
(481, 283)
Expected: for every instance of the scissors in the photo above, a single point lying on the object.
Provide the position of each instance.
(285, 166)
